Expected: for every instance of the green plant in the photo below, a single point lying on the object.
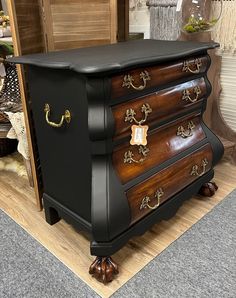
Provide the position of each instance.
(198, 24)
(5, 49)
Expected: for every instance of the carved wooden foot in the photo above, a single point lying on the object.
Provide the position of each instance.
(103, 269)
(208, 189)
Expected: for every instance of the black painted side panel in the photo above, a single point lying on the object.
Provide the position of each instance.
(64, 152)
(110, 208)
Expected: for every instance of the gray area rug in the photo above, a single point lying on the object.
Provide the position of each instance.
(201, 263)
(28, 270)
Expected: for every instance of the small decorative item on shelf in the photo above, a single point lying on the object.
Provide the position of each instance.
(5, 29)
(199, 15)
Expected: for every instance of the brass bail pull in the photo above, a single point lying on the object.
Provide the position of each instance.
(185, 133)
(128, 81)
(146, 200)
(129, 156)
(195, 169)
(187, 96)
(64, 118)
(194, 67)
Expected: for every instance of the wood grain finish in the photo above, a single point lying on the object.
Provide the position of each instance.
(170, 145)
(161, 74)
(163, 104)
(79, 23)
(171, 180)
(29, 25)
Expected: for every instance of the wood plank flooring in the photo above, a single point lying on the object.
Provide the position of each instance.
(72, 247)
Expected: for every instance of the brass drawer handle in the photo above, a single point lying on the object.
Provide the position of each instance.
(130, 114)
(197, 64)
(187, 96)
(128, 156)
(195, 168)
(185, 133)
(128, 80)
(145, 201)
(66, 117)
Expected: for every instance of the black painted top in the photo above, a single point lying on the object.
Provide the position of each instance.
(112, 58)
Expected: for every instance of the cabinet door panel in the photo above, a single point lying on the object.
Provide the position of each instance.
(79, 23)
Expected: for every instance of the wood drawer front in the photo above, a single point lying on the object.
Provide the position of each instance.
(163, 143)
(149, 77)
(170, 101)
(168, 182)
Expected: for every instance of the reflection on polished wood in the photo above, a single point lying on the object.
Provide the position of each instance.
(163, 103)
(161, 74)
(171, 144)
(17, 200)
(171, 180)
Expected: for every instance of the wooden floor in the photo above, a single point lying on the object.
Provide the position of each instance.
(72, 248)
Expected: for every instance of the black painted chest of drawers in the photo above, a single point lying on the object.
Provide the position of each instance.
(86, 102)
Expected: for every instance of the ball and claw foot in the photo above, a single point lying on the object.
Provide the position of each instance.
(208, 189)
(103, 269)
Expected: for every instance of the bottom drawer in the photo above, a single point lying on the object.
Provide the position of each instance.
(148, 195)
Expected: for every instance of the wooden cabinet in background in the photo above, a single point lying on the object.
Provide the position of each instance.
(48, 25)
(79, 23)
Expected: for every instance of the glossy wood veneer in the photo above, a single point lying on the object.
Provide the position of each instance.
(161, 74)
(159, 151)
(163, 103)
(171, 180)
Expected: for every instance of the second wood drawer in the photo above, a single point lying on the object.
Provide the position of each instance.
(163, 143)
(162, 104)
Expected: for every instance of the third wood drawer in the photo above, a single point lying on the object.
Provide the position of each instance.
(162, 144)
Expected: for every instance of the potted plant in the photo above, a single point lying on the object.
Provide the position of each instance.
(199, 15)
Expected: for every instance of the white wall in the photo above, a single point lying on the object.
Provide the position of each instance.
(228, 95)
(139, 19)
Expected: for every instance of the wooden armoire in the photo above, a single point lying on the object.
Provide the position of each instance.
(53, 25)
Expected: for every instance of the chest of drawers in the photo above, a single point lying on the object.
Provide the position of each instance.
(86, 104)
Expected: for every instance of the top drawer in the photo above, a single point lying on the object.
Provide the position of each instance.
(137, 80)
